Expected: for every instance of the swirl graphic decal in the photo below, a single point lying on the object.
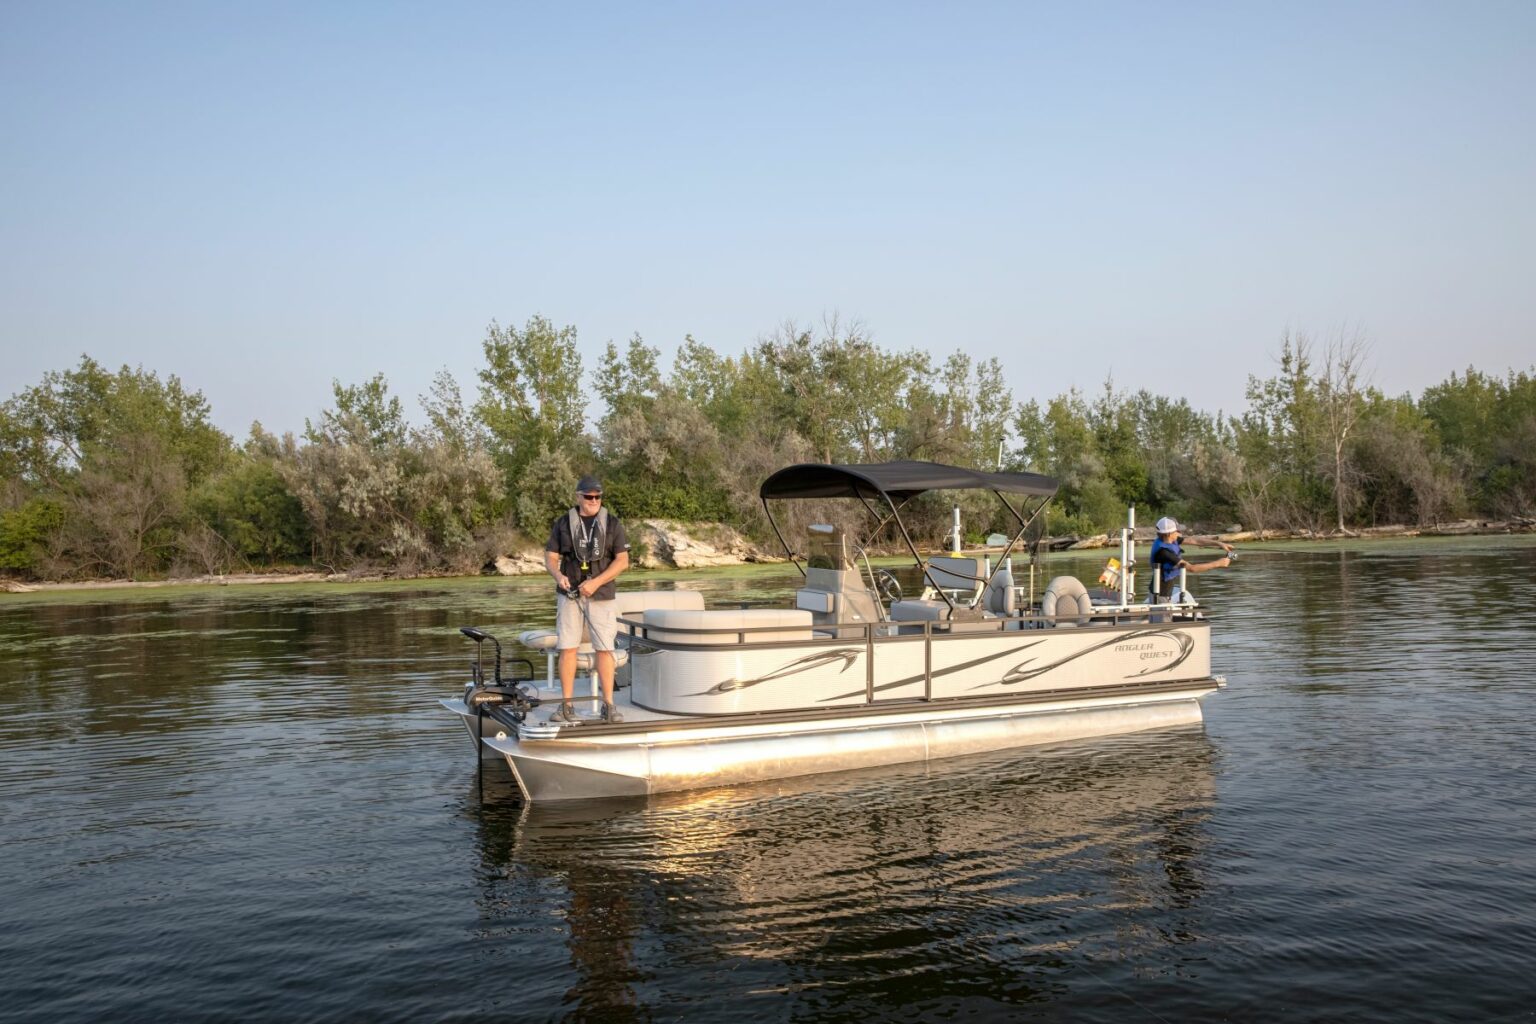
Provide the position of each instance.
(964, 666)
(846, 655)
(1183, 643)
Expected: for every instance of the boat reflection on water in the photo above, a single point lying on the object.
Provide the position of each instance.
(996, 880)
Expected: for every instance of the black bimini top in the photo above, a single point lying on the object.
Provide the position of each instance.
(897, 480)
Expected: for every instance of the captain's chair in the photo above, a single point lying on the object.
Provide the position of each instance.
(1066, 601)
(998, 598)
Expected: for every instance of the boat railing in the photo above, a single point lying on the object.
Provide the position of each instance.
(644, 638)
(640, 633)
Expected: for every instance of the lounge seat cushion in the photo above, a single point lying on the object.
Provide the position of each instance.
(721, 626)
(916, 610)
(632, 602)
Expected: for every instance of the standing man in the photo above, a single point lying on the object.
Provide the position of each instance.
(586, 552)
(1168, 559)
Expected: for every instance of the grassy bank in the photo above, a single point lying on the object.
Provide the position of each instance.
(1082, 562)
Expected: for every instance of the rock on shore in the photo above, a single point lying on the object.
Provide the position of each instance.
(665, 544)
(521, 563)
(662, 544)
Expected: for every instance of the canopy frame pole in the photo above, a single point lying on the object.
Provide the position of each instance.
(880, 520)
(1023, 528)
(779, 534)
(911, 479)
(927, 569)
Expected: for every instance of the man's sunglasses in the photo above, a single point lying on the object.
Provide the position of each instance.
(593, 497)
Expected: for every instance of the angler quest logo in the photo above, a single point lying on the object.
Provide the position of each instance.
(1157, 650)
(1147, 650)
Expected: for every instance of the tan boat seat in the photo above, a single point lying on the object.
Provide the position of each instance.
(998, 599)
(1066, 601)
(955, 573)
(916, 610)
(544, 640)
(722, 626)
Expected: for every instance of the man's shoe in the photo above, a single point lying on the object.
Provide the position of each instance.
(611, 714)
(565, 715)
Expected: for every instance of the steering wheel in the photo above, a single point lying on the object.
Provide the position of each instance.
(888, 585)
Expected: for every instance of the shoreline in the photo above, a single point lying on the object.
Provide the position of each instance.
(1458, 528)
(1058, 545)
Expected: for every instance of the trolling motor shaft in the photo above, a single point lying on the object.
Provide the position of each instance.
(480, 637)
(499, 691)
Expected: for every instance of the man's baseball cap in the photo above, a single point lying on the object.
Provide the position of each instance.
(1167, 524)
(589, 483)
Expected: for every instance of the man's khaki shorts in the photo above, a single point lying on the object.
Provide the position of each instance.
(570, 626)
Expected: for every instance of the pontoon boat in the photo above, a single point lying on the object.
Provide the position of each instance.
(854, 674)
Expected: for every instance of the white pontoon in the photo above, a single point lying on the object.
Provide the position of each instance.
(854, 674)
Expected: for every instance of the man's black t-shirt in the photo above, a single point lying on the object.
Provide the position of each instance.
(583, 548)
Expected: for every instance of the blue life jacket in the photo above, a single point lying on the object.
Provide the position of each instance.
(1170, 572)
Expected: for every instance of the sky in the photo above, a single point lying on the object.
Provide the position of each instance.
(264, 198)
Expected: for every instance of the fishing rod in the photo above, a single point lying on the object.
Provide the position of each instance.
(574, 593)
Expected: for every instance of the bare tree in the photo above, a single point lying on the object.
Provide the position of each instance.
(1340, 393)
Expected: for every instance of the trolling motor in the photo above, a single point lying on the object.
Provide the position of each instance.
(510, 692)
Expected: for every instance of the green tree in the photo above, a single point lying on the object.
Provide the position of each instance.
(531, 396)
(350, 476)
(25, 533)
(1284, 427)
(1112, 419)
(455, 491)
(117, 452)
(250, 509)
(60, 425)
(365, 414)
(1488, 424)
(802, 395)
(1406, 475)
(633, 379)
(1058, 441)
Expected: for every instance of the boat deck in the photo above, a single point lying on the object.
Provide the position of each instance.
(587, 707)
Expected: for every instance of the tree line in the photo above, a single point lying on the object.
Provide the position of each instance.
(123, 474)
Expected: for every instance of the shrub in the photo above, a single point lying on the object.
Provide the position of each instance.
(24, 534)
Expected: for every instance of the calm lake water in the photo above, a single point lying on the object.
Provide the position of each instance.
(245, 804)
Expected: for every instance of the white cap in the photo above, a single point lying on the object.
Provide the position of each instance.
(1167, 524)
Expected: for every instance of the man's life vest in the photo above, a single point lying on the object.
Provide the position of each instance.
(594, 552)
(1170, 573)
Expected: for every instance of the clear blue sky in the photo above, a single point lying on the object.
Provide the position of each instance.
(262, 197)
